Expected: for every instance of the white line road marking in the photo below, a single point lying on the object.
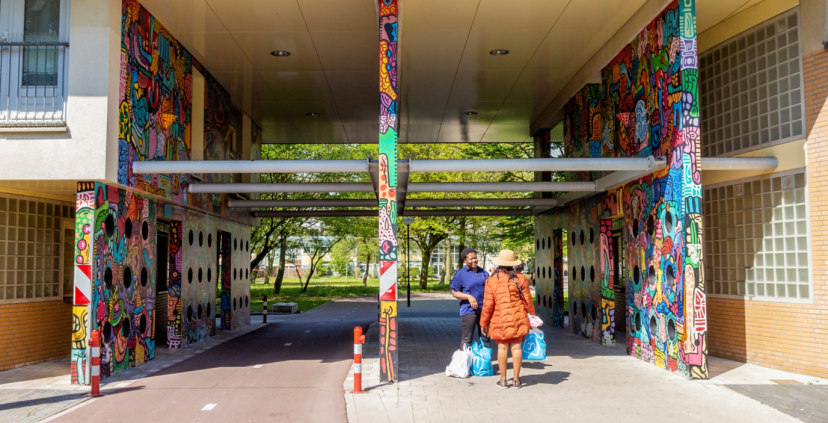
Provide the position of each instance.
(208, 407)
(288, 344)
(258, 366)
(307, 331)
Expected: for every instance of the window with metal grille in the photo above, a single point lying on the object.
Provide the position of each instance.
(33, 62)
(756, 237)
(30, 247)
(751, 88)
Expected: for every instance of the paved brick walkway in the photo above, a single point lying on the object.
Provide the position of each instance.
(579, 381)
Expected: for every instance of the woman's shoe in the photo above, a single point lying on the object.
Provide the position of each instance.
(517, 384)
(501, 384)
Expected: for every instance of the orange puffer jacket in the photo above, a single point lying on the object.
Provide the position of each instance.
(504, 313)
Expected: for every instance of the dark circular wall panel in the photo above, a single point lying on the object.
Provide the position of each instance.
(127, 277)
(145, 230)
(190, 275)
(671, 330)
(191, 237)
(669, 277)
(128, 228)
(144, 277)
(636, 275)
(109, 225)
(107, 332)
(108, 278)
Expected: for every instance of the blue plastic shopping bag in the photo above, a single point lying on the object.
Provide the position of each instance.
(482, 359)
(534, 346)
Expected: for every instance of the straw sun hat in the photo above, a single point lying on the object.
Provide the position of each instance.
(506, 258)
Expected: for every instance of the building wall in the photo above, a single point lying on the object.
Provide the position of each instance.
(788, 335)
(33, 332)
(79, 151)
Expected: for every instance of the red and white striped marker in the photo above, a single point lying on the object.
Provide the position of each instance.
(95, 349)
(264, 308)
(359, 339)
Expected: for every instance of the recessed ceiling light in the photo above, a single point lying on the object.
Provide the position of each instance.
(280, 53)
(470, 113)
(499, 52)
(312, 114)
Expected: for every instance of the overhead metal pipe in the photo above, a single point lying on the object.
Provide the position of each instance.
(260, 188)
(470, 212)
(249, 166)
(316, 213)
(302, 203)
(481, 202)
(502, 187)
(536, 165)
(739, 163)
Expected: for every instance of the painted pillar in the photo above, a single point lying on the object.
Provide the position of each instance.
(694, 346)
(82, 294)
(388, 188)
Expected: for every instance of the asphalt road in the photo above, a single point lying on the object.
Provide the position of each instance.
(290, 370)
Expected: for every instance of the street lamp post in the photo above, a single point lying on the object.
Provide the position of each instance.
(407, 222)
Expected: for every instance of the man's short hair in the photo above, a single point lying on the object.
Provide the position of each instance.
(465, 253)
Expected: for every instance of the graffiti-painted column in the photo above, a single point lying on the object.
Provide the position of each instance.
(388, 187)
(82, 295)
(694, 348)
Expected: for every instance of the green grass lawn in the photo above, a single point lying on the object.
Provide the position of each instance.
(324, 289)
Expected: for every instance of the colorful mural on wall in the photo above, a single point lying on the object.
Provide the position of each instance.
(156, 101)
(388, 127)
(647, 104)
(156, 88)
(174, 286)
(123, 296)
(607, 276)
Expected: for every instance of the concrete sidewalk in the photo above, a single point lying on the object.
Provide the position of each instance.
(579, 381)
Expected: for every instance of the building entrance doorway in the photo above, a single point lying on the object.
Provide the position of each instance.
(619, 286)
(224, 285)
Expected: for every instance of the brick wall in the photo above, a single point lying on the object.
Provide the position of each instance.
(788, 336)
(34, 332)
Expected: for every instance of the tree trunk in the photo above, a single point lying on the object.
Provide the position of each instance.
(307, 281)
(367, 266)
(460, 249)
(426, 253)
(277, 283)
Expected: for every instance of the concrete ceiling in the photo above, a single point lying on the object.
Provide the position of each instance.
(445, 65)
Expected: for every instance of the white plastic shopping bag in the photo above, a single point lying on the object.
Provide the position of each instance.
(461, 362)
(534, 321)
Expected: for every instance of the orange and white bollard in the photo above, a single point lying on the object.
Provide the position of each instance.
(359, 339)
(95, 349)
(264, 308)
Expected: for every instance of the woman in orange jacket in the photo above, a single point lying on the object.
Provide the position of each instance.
(506, 302)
